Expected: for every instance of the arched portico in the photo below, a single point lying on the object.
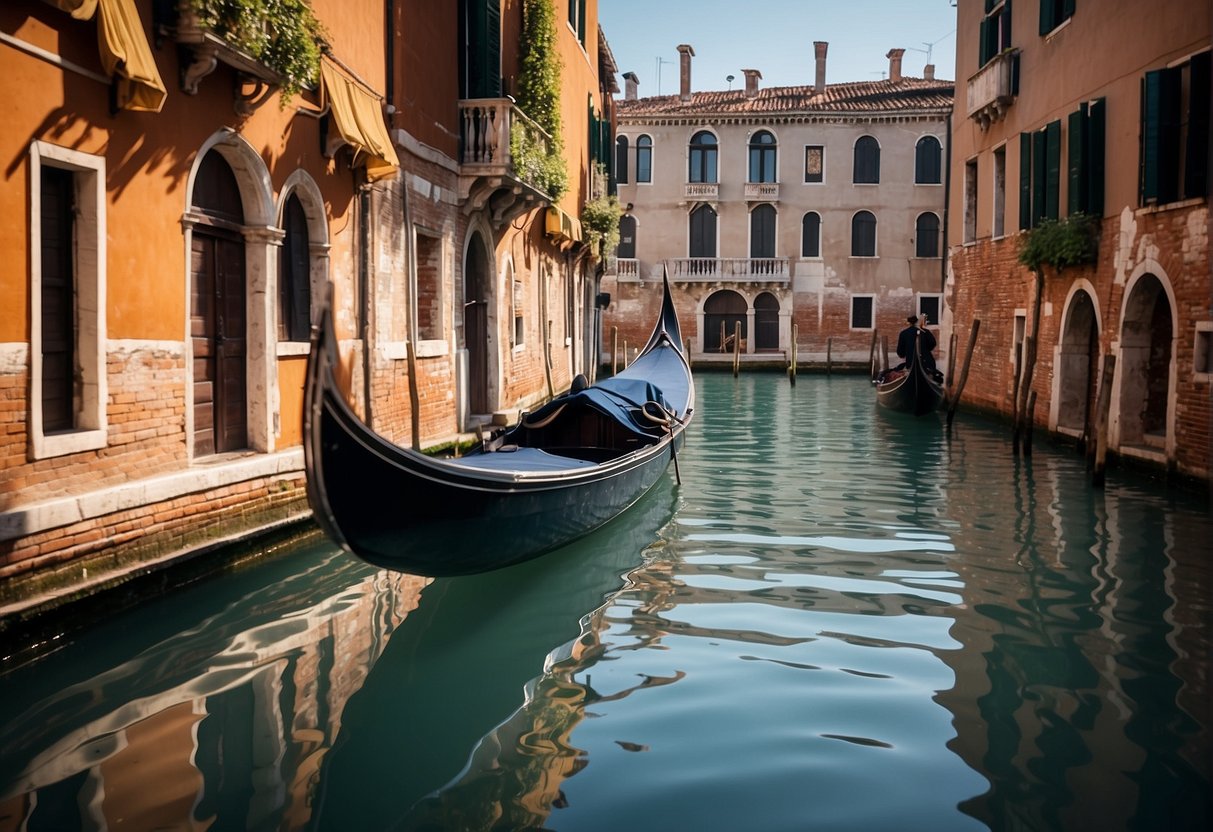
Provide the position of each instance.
(1145, 392)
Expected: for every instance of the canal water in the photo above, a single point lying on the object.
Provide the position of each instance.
(842, 620)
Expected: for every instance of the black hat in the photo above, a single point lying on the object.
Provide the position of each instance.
(912, 319)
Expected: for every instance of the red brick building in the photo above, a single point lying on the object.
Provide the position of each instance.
(1098, 108)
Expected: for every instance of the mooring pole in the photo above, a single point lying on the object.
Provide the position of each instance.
(1101, 420)
(614, 350)
(872, 368)
(954, 397)
(947, 383)
(736, 348)
(1029, 419)
(829, 355)
(792, 363)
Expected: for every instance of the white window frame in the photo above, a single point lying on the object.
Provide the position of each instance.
(918, 306)
(1202, 364)
(999, 175)
(851, 311)
(89, 259)
(805, 173)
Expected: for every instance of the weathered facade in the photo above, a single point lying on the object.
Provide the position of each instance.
(1099, 108)
(820, 206)
(176, 219)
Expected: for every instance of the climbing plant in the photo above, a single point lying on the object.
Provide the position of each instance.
(282, 34)
(539, 97)
(600, 219)
(1069, 241)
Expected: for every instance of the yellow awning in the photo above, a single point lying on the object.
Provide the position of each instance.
(124, 51)
(359, 121)
(562, 224)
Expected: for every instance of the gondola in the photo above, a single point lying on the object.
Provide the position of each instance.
(912, 389)
(560, 472)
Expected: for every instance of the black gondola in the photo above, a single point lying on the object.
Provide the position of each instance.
(914, 389)
(560, 472)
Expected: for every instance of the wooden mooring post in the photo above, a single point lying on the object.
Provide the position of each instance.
(884, 352)
(1028, 423)
(614, 350)
(829, 355)
(792, 362)
(1101, 420)
(736, 349)
(954, 396)
(1021, 396)
(872, 368)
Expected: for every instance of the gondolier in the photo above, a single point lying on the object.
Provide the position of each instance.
(906, 350)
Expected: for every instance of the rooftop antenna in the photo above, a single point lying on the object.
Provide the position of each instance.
(660, 61)
(930, 46)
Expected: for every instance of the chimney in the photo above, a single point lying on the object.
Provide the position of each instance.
(894, 57)
(928, 72)
(630, 82)
(751, 82)
(820, 47)
(686, 53)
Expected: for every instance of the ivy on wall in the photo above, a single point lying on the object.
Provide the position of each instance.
(282, 34)
(539, 97)
(600, 219)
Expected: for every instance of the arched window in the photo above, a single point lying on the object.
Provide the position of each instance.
(703, 232)
(621, 160)
(762, 157)
(863, 234)
(810, 235)
(644, 159)
(766, 322)
(703, 157)
(294, 275)
(762, 231)
(926, 235)
(927, 161)
(867, 161)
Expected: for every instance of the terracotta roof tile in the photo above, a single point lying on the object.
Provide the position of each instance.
(848, 97)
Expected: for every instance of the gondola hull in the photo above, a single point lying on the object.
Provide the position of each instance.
(913, 390)
(400, 509)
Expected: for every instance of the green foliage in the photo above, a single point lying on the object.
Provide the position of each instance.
(539, 98)
(282, 34)
(600, 219)
(1070, 241)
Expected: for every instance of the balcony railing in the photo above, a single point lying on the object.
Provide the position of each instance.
(739, 269)
(485, 127)
(762, 191)
(627, 268)
(701, 190)
(992, 90)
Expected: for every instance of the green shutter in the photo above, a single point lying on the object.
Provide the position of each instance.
(1067, 9)
(983, 43)
(1196, 163)
(1005, 14)
(1048, 14)
(482, 48)
(581, 21)
(1076, 169)
(1038, 176)
(1170, 126)
(1148, 169)
(1053, 169)
(1096, 130)
(1025, 180)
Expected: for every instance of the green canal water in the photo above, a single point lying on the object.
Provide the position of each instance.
(842, 620)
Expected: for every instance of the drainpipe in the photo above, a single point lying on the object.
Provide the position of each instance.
(364, 294)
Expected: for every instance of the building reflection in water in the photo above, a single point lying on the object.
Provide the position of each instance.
(237, 711)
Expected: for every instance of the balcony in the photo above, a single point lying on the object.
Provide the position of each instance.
(729, 269)
(207, 48)
(627, 269)
(762, 192)
(701, 191)
(489, 176)
(993, 89)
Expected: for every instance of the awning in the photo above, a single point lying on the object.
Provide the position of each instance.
(563, 225)
(124, 51)
(358, 119)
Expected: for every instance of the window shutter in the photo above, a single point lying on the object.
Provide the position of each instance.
(1076, 161)
(984, 53)
(1005, 16)
(1025, 181)
(482, 48)
(1096, 130)
(1170, 117)
(1053, 169)
(1196, 170)
(1067, 9)
(1048, 14)
(1148, 171)
(581, 21)
(1039, 177)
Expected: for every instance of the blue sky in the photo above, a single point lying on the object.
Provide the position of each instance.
(776, 38)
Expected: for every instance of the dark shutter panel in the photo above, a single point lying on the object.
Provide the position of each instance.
(1053, 170)
(1096, 130)
(983, 42)
(1039, 178)
(1148, 172)
(1196, 170)
(621, 160)
(1067, 9)
(482, 48)
(1048, 13)
(58, 341)
(1025, 181)
(1170, 118)
(1005, 15)
(1076, 197)
(581, 21)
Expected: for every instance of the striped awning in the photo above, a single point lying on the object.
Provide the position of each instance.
(124, 51)
(358, 118)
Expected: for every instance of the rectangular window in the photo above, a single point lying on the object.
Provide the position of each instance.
(862, 308)
(644, 159)
(428, 247)
(1000, 191)
(517, 299)
(1085, 159)
(1202, 354)
(577, 19)
(67, 298)
(814, 163)
(1040, 175)
(1053, 13)
(995, 35)
(970, 216)
(931, 306)
(1175, 132)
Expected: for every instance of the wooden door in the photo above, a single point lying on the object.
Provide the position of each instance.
(218, 336)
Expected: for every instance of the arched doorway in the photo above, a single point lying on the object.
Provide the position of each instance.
(476, 282)
(218, 318)
(766, 322)
(1145, 364)
(1076, 365)
(721, 314)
